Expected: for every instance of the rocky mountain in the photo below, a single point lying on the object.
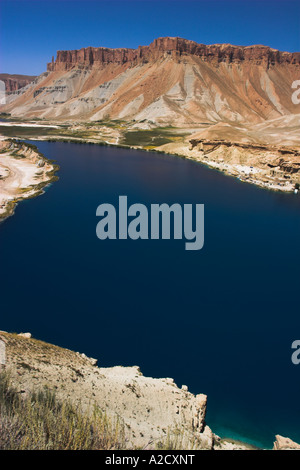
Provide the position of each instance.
(172, 81)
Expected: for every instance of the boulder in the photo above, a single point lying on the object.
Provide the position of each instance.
(284, 443)
(25, 335)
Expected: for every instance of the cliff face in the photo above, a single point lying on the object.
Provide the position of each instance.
(170, 82)
(148, 407)
(176, 47)
(15, 82)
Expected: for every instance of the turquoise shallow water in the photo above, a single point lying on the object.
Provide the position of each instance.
(220, 320)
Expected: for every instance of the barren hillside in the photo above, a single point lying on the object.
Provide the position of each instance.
(172, 81)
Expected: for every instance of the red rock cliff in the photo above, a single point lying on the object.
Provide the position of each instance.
(176, 47)
(15, 82)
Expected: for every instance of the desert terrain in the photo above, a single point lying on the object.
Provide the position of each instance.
(232, 108)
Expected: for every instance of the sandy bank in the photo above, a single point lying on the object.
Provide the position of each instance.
(23, 174)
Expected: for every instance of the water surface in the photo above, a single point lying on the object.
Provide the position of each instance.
(220, 320)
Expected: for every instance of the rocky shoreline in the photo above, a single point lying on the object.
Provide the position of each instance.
(152, 410)
(271, 167)
(24, 173)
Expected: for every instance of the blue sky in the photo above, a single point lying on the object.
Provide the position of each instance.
(31, 31)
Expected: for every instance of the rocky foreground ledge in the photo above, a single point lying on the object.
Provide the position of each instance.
(150, 408)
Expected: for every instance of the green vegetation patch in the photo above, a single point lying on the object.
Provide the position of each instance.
(40, 421)
(113, 123)
(152, 137)
(24, 131)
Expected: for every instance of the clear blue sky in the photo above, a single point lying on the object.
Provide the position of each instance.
(31, 31)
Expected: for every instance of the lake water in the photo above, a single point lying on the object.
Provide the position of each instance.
(220, 320)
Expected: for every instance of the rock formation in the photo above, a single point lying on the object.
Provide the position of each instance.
(15, 82)
(284, 443)
(175, 47)
(172, 81)
(149, 407)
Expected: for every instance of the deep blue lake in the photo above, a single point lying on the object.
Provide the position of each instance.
(220, 320)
